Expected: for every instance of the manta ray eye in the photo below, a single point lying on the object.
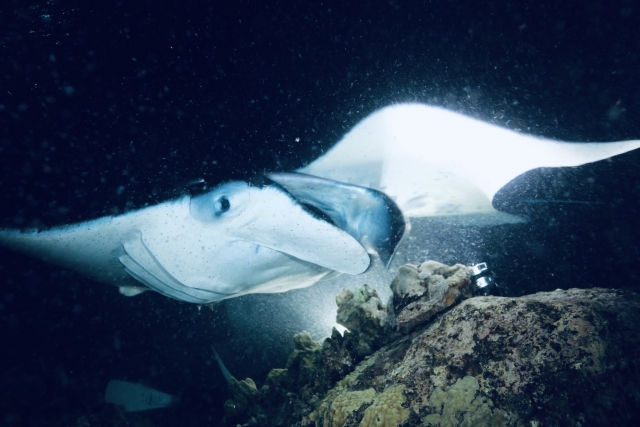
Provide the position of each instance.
(221, 205)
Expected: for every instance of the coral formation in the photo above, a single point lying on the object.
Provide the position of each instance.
(362, 311)
(305, 358)
(386, 410)
(371, 409)
(244, 398)
(422, 291)
(335, 409)
(245, 391)
(287, 394)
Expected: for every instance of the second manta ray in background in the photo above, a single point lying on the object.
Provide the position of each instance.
(299, 228)
(434, 162)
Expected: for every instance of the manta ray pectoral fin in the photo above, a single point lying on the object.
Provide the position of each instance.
(368, 215)
(140, 263)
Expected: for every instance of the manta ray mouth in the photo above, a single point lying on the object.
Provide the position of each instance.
(317, 213)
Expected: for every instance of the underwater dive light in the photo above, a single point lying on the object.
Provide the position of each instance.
(483, 279)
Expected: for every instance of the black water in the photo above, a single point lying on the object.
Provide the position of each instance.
(107, 107)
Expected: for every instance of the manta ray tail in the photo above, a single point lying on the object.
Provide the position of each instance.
(225, 372)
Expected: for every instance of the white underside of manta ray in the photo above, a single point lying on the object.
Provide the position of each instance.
(299, 228)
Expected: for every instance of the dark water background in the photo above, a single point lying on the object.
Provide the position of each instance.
(107, 107)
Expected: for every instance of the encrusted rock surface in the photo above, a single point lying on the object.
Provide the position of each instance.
(568, 357)
(422, 291)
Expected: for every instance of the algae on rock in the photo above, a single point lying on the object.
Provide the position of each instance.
(462, 400)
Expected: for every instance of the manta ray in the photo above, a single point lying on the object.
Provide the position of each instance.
(335, 215)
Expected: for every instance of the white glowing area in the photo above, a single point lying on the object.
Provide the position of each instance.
(340, 328)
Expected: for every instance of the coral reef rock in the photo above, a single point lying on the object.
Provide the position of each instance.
(289, 394)
(562, 358)
(421, 292)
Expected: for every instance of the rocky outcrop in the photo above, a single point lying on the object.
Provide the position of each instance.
(559, 358)
(569, 357)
